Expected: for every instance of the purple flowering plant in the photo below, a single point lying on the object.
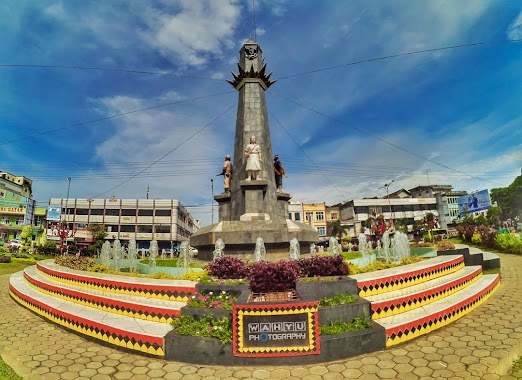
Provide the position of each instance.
(211, 300)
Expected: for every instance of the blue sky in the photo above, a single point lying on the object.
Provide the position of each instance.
(442, 117)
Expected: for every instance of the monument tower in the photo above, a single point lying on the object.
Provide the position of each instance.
(253, 208)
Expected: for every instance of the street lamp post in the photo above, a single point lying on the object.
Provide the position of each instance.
(66, 209)
(212, 200)
(387, 185)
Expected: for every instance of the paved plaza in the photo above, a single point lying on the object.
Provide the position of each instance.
(481, 345)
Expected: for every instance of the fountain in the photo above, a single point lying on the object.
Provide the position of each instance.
(219, 249)
(295, 253)
(363, 248)
(260, 251)
(116, 255)
(105, 255)
(132, 255)
(185, 257)
(313, 249)
(385, 253)
(333, 247)
(153, 252)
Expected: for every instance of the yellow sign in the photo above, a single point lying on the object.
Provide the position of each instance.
(12, 210)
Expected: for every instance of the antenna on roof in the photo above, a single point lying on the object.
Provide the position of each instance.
(254, 14)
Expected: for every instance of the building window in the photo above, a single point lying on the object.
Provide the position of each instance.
(163, 229)
(309, 216)
(82, 211)
(6, 220)
(144, 229)
(96, 211)
(128, 228)
(112, 212)
(297, 216)
(319, 215)
(19, 221)
(144, 212)
(112, 228)
(162, 212)
(321, 230)
(333, 216)
(128, 212)
(363, 210)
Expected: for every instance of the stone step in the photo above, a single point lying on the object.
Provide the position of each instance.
(147, 308)
(124, 331)
(391, 279)
(174, 290)
(413, 323)
(415, 296)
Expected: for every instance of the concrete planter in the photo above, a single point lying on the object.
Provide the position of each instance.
(469, 259)
(347, 312)
(199, 350)
(318, 289)
(234, 290)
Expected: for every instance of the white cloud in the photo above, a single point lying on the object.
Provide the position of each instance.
(514, 30)
(200, 30)
(56, 10)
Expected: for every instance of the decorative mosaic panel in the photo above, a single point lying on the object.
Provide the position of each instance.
(169, 292)
(402, 280)
(398, 305)
(138, 342)
(275, 329)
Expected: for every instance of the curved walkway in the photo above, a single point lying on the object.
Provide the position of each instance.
(481, 345)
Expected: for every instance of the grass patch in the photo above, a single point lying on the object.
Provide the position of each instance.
(339, 327)
(418, 251)
(339, 299)
(491, 271)
(171, 263)
(6, 372)
(351, 255)
(15, 265)
(516, 368)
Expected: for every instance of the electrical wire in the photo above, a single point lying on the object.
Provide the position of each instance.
(112, 117)
(169, 152)
(91, 68)
(383, 140)
(400, 55)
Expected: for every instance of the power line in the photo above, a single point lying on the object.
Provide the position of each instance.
(92, 68)
(385, 141)
(112, 117)
(402, 55)
(169, 152)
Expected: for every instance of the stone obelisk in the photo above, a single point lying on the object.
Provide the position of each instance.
(253, 208)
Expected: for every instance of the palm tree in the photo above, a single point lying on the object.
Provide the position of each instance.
(337, 229)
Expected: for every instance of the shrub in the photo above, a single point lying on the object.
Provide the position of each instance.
(273, 277)
(221, 300)
(323, 266)
(339, 327)
(339, 299)
(5, 259)
(445, 245)
(487, 235)
(21, 255)
(476, 238)
(509, 243)
(227, 267)
(75, 262)
(48, 249)
(205, 326)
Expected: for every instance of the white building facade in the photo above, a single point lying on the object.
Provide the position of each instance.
(164, 220)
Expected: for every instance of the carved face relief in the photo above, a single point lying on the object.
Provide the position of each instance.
(250, 52)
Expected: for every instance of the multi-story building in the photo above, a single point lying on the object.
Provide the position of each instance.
(16, 205)
(333, 213)
(447, 201)
(295, 211)
(315, 216)
(355, 213)
(164, 220)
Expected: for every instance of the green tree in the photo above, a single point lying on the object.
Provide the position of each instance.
(337, 229)
(98, 234)
(494, 216)
(509, 199)
(26, 238)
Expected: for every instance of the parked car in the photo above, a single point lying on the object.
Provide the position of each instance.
(15, 243)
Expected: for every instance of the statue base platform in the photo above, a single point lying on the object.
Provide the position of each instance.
(240, 238)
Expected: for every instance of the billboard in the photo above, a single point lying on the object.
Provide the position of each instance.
(54, 213)
(474, 202)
